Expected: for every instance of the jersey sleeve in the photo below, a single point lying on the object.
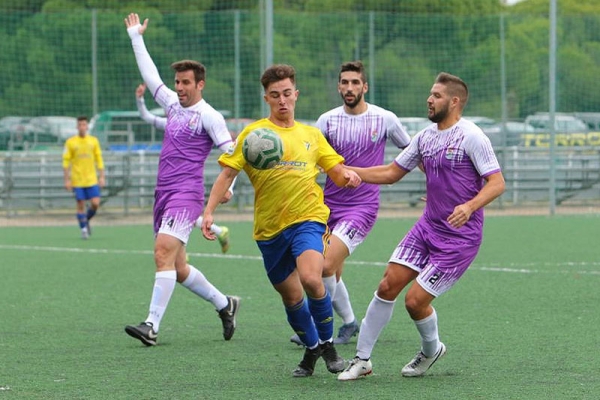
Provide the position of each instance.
(98, 154)
(480, 150)
(328, 157)
(215, 125)
(396, 132)
(233, 157)
(147, 116)
(410, 157)
(66, 156)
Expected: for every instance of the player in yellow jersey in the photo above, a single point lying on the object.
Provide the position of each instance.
(84, 173)
(290, 216)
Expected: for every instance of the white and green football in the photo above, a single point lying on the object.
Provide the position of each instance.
(262, 148)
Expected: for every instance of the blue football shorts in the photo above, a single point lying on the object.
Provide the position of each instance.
(280, 253)
(86, 193)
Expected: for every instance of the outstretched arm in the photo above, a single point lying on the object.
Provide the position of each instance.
(381, 174)
(218, 191)
(344, 177)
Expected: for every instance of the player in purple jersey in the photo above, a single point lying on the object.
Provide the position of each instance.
(359, 132)
(463, 175)
(158, 122)
(193, 127)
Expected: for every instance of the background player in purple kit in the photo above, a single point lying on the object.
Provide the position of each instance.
(463, 175)
(358, 131)
(193, 128)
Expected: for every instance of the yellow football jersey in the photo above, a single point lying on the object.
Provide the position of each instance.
(288, 193)
(83, 155)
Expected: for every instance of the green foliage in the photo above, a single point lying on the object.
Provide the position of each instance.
(47, 56)
(565, 7)
(57, 6)
(22, 5)
(578, 70)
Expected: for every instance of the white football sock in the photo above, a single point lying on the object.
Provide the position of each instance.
(428, 329)
(164, 284)
(214, 227)
(378, 315)
(341, 303)
(330, 284)
(197, 283)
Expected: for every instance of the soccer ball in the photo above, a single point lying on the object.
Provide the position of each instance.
(262, 148)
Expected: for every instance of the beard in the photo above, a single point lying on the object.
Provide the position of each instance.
(440, 115)
(352, 104)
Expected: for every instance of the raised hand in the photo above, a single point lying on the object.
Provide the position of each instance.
(139, 92)
(133, 19)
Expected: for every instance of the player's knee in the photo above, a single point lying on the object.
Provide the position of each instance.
(414, 307)
(313, 286)
(161, 255)
(386, 290)
(329, 269)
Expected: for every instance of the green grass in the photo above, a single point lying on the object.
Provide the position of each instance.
(521, 324)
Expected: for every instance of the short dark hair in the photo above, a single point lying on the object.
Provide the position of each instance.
(276, 73)
(82, 118)
(187, 65)
(354, 66)
(456, 86)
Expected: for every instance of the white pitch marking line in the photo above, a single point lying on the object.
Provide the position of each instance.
(525, 268)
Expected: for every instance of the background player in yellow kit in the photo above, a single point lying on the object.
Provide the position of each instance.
(84, 173)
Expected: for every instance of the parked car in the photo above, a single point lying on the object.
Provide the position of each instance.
(8, 123)
(55, 127)
(9, 128)
(482, 122)
(125, 130)
(563, 123)
(591, 119)
(513, 130)
(19, 133)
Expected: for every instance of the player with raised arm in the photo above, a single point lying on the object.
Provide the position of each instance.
(158, 122)
(193, 127)
(462, 176)
(358, 131)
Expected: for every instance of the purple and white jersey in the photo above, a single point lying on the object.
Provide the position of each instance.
(190, 133)
(361, 140)
(455, 160)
